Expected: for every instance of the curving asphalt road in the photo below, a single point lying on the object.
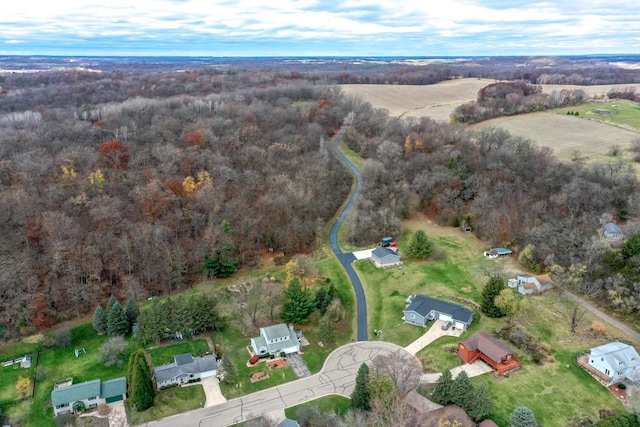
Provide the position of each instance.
(338, 376)
(347, 258)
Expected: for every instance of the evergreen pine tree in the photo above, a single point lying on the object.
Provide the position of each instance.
(107, 309)
(298, 303)
(117, 323)
(229, 369)
(491, 290)
(141, 391)
(522, 417)
(480, 406)
(419, 247)
(443, 391)
(360, 396)
(321, 295)
(462, 390)
(132, 312)
(99, 320)
(332, 293)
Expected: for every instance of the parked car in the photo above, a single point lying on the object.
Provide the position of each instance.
(446, 325)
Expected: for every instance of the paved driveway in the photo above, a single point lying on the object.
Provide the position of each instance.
(299, 367)
(212, 391)
(476, 368)
(431, 335)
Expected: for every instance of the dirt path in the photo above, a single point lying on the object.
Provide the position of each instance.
(624, 328)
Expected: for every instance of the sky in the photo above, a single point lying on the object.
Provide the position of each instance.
(419, 28)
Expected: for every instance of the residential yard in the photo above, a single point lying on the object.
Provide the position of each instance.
(163, 355)
(59, 363)
(338, 404)
(462, 271)
(170, 402)
(620, 112)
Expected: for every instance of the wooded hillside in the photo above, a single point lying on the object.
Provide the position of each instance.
(107, 192)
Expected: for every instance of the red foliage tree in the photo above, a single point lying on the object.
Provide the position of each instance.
(116, 154)
(195, 138)
(33, 231)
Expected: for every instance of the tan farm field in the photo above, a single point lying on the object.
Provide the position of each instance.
(439, 100)
(566, 134)
(436, 101)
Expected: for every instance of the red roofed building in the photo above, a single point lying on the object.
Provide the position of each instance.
(484, 346)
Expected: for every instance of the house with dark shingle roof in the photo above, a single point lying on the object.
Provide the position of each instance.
(87, 395)
(420, 309)
(489, 349)
(185, 368)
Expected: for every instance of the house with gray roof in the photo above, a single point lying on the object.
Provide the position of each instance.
(87, 395)
(615, 361)
(420, 309)
(185, 368)
(275, 339)
(385, 257)
(612, 231)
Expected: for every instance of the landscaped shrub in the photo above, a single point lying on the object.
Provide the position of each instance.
(598, 327)
(622, 386)
(283, 354)
(624, 420)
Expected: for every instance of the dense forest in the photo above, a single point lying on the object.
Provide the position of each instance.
(126, 182)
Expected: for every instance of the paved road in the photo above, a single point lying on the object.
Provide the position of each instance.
(338, 376)
(624, 328)
(347, 258)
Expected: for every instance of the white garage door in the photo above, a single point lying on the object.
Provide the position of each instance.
(207, 374)
(459, 325)
(444, 317)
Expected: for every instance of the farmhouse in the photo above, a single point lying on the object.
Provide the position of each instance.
(497, 252)
(612, 231)
(275, 339)
(487, 348)
(87, 395)
(420, 309)
(614, 362)
(185, 368)
(385, 257)
(529, 284)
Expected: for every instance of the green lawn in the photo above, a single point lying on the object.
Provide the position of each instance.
(170, 402)
(56, 364)
(334, 402)
(556, 392)
(458, 272)
(164, 355)
(9, 376)
(622, 112)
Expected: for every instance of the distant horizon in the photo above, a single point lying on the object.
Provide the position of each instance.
(313, 28)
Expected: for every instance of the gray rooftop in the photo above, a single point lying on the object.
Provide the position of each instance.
(618, 355)
(276, 331)
(381, 252)
(197, 365)
(423, 305)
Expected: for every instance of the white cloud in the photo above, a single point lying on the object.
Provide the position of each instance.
(290, 21)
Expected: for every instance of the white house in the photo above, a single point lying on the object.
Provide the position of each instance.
(185, 368)
(78, 397)
(275, 339)
(612, 231)
(529, 284)
(385, 257)
(615, 361)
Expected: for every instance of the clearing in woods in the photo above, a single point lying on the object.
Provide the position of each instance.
(439, 100)
(567, 134)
